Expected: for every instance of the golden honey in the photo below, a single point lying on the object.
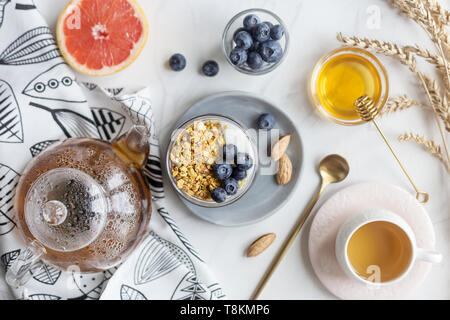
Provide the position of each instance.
(342, 77)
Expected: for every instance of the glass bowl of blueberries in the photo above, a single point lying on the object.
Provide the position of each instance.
(255, 41)
(212, 160)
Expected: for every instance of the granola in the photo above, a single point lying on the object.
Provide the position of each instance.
(193, 156)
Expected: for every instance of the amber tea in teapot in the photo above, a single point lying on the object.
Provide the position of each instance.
(84, 202)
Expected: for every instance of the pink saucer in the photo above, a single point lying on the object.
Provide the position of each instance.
(353, 200)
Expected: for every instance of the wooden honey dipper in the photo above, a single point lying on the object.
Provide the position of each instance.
(368, 112)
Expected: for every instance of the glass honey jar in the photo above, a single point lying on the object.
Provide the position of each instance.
(341, 77)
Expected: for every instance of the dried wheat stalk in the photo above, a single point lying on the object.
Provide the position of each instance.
(429, 146)
(386, 48)
(432, 58)
(399, 103)
(440, 14)
(422, 15)
(440, 103)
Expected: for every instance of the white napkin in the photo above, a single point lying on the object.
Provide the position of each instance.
(40, 103)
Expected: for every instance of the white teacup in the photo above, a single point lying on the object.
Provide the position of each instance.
(355, 223)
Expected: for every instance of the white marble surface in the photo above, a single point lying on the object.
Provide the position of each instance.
(194, 28)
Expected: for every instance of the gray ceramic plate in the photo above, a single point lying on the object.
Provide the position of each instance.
(265, 196)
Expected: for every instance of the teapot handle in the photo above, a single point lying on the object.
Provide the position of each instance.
(27, 262)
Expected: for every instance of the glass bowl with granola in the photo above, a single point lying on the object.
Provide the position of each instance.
(212, 160)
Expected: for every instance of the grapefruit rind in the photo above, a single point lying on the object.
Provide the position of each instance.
(105, 71)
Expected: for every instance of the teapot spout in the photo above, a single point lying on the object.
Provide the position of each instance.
(133, 147)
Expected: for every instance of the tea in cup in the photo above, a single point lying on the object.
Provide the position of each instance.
(378, 247)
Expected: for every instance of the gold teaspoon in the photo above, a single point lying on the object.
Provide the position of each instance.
(333, 168)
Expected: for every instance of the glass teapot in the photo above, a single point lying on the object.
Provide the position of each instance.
(82, 204)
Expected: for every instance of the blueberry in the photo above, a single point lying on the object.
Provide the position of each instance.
(177, 62)
(223, 170)
(219, 195)
(271, 51)
(239, 174)
(244, 161)
(243, 39)
(238, 30)
(229, 152)
(277, 32)
(270, 24)
(261, 32)
(210, 68)
(254, 47)
(231, 186)
(254, 60)
(250, 21)
(266, 121)
(238, 56)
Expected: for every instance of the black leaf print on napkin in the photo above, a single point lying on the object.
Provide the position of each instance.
(166, 216)
(91, 285)
(3, 4)
(159, 257)
(8, 182)
(71, 123)
(189, 288)
(41, 146)
(153, 176)
(8, 257)
(43, 296)
(11, 129)
(138, 108)
(54, 84)
(47, 274)
(129, 293)
(109, 123)
(26, 6)
(114, 91)
(154, 261)
(90, 86)
(34, 46)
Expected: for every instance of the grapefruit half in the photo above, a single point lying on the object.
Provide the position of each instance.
(101, 37)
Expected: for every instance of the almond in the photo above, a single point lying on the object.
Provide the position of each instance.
(284, 173)
(280, 147)
(260, 244)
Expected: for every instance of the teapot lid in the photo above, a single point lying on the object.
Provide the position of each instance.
(66, 209)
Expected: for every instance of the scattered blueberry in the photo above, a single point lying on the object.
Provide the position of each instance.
(238, 56)
(271, 51)
(231, 186)
(250, 21)
(223, 170)
(254, 60)
(277, 32)
(266, 121)
(177, 62)
(219, 195)
(210, 68)
(244, 161)
(229, 152)
(261, 32)
(243, 40)
(239, 174)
